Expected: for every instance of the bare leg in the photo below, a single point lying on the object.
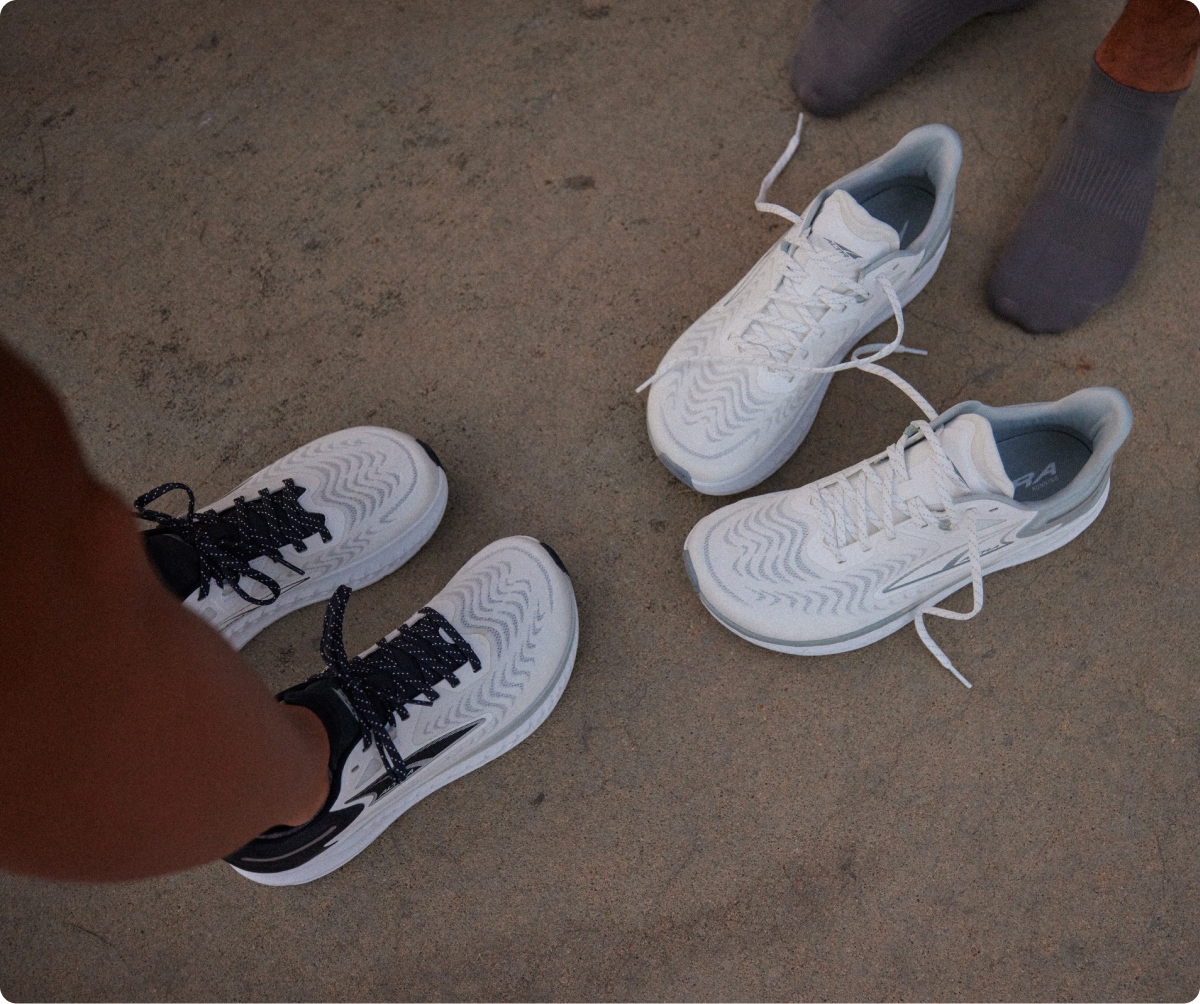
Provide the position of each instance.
(1153, 45)
(135, 740)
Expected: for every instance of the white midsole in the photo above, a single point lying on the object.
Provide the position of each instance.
(1036, 547)
(368, 569)
(370, 823)
(789, 442)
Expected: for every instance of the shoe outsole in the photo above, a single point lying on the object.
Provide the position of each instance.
(557, 560)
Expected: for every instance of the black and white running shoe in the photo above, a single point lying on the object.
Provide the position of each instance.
(465, 679)
(347, 509)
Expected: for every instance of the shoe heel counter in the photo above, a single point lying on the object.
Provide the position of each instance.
(942, 150)
(1056, 516)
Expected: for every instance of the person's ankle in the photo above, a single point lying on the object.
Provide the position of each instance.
(1159, 79)
(1152, 47)
(314, 773)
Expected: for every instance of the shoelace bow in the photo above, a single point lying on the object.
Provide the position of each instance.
(403, 669)
(847, 513)
(228, 541)
(779, 338)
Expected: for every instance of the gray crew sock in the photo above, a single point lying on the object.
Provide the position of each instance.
(1081, 235)
(849, 49)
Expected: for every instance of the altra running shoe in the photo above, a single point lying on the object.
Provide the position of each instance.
(845, 561)
(347, 509)
(465, 679)
(738, 391)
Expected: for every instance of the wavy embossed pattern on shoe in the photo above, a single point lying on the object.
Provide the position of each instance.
(515, 608)
(510, 601)
(382, 497)
(760, 560)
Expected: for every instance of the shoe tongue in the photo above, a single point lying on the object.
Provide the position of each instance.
(971, 447)
(175, 560)
(853, 234)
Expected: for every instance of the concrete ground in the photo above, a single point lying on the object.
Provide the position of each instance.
(228, 228)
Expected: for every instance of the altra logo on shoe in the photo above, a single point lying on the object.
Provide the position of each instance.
(841, 249)
(421, 758)
(922, 572)
(1030, 481)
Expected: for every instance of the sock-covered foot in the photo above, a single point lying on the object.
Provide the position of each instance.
(849, 49)
(1081, 235)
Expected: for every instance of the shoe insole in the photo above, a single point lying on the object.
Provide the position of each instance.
(1042, 462)
(905, 205)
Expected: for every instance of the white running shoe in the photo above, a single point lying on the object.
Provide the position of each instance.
(738, 391)
(464, 680)
(347, 509)
(845, 561)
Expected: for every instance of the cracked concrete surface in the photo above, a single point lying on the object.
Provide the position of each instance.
(226, 229)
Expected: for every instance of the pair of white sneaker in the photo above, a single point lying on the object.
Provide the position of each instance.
(463, 680)
(844, 561)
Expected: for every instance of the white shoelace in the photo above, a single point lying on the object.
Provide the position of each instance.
(847, 513)
(775, 340)
(776, 335)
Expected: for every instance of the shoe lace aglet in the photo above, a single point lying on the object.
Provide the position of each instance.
(936, 650)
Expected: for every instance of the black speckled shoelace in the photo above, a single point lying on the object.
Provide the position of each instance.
(228, 541)
(402, 670)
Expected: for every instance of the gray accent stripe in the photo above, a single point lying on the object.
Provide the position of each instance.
(739, 630)
(678, 471)
(1045, 521)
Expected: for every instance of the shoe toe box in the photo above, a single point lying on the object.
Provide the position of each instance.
(711, 426)
(747, 563)
(369, 482)
(514, 604)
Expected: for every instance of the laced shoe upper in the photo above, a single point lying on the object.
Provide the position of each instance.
(822, 562)
(401, 669)
(736, 392)
(743, 372)
(845, 560)
(466, 678)
(226, 542)
(343, 509)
